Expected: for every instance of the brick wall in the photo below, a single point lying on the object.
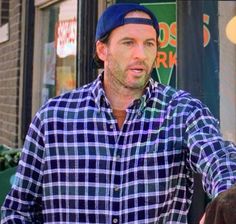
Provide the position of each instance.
(9, 78)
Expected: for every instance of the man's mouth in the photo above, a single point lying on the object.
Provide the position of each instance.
(137, 70)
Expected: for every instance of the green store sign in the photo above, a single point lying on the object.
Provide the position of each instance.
(166, 60)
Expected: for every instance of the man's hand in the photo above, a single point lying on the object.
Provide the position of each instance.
(222, 210)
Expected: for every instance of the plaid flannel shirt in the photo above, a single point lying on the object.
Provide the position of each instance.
(78, 167)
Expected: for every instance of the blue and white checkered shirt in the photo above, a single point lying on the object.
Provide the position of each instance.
(78, 167)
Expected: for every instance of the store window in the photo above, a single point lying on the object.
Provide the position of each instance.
(58, 49)
(4, 20)
(63, 47)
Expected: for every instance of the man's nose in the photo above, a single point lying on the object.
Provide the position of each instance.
(140, 52)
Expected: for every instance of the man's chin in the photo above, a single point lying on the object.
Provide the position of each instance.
(137, 86)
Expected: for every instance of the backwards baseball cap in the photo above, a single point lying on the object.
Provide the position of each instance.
(114, 16)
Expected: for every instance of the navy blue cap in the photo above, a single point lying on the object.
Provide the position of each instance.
(114, 16)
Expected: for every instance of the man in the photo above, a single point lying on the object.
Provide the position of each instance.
(122, 149)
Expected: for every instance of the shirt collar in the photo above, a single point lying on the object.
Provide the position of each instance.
(99, 93)
(138, 104)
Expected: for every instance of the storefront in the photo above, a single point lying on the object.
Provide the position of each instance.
(53, 46)
(58, 50)
(59, 42)
(192, 33)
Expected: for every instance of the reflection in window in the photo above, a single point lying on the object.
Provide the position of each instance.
(59, 49)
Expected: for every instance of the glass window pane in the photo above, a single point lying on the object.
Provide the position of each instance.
(59, 49)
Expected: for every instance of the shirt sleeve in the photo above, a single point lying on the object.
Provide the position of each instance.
(209, 154)
(23, 202)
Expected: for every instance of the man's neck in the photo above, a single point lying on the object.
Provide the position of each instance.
(120, 97)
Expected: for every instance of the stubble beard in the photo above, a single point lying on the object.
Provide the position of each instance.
(118, 77)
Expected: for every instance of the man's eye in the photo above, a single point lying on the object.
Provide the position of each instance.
(150, 44)
(128, 43)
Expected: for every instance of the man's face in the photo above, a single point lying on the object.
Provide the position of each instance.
(130, 54)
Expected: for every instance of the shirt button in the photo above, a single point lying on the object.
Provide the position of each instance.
(117, 158)
(115, 220)
(139, 113)
(116, 188)
(111, 127)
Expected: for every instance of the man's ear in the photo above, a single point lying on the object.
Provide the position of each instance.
(101, 49)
